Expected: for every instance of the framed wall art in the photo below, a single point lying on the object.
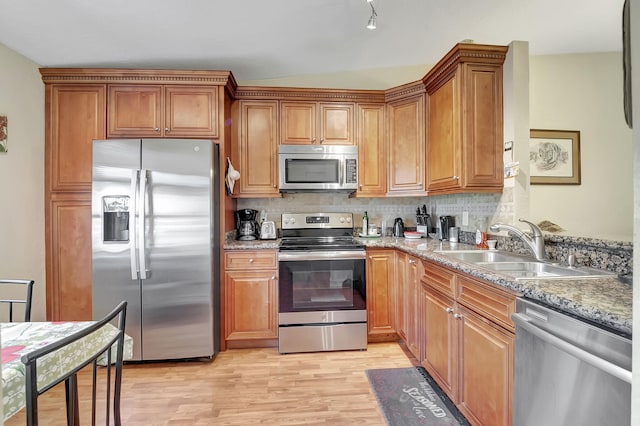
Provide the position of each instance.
(554, 157)
(3, 133)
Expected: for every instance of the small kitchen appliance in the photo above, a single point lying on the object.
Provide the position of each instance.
(446, 222)
(398, 227)
(246, 225)
(423, 221)
(267, 227)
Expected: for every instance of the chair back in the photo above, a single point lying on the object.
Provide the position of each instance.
(17, 292)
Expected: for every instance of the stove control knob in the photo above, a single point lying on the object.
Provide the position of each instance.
(342, 220)
(348, 219)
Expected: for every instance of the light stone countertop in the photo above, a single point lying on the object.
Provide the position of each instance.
(606, 301)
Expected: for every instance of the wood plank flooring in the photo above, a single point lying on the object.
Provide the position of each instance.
(245, 387)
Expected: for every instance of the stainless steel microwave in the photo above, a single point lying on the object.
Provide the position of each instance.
(318, 168)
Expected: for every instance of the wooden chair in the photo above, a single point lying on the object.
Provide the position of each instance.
(10, 288)
(101, 356)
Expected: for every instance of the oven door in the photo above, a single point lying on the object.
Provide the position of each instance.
(321, 281)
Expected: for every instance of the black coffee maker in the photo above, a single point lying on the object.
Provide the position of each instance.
(246, 224)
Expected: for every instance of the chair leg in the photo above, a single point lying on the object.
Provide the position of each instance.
(71, 393)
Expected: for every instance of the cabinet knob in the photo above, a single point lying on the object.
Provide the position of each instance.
(275, 186)
(321, 140)
(166, 129)
(456, 177)
(313, 140)
(250, 260)
(449, 310)
(457, 316)
(157, 129)
(273, 277)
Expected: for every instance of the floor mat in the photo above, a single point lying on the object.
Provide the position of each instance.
(410, 397)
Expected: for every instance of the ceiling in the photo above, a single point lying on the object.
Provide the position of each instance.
(258, 39)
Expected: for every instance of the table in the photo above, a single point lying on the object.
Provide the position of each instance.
(22, 338)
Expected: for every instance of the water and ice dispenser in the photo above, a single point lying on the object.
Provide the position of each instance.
(115, 212)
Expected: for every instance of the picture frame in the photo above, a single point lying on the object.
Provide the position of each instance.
(554, 157)
(4, 124)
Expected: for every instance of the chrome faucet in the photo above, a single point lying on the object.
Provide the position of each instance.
(535, 243)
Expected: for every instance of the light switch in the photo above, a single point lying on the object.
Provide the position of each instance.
(465, 218)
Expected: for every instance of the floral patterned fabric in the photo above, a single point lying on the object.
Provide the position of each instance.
(22, 338)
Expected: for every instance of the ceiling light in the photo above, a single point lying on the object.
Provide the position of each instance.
(372, 20)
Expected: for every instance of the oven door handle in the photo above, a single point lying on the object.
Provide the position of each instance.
(299, 256)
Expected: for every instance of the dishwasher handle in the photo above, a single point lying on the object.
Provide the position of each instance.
(599, 363)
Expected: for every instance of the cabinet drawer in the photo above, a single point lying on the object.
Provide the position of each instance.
(495, 304)
(439, 278)
(250, 259)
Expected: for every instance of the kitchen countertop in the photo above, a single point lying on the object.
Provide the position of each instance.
(606, 301)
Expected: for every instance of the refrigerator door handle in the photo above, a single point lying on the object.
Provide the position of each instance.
(135, 182)
(142, 192)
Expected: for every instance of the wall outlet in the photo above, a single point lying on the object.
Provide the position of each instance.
(465, 218)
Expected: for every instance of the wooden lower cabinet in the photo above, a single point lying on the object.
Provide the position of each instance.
(408, 304)
(381, 295)
(485, 370)
(467, 352)
(250, 298)
(68, 246)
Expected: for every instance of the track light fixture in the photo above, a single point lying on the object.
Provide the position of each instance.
(372, 20)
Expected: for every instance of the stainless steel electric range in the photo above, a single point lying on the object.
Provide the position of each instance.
(322, 298)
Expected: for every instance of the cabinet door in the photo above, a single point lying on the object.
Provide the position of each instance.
(251, 305)
(412, 305)
(380, 294)
(406, 146)
(191, 111)
(256, 152)
(443, 136)
(486, 370)
(68, 248)
(298, 122)
(483, 126)
(75, 116)
(400, 284)
(135, 111)
(440, 351)
(336, 124)
(372, 158)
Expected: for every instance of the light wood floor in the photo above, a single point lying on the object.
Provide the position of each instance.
(246, 387)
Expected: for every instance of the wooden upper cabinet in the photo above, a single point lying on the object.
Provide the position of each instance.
(372, 158)
(406, 146)
(255, 154)
(163, 111)
(75, 115)
(465, 121)
(325, 123)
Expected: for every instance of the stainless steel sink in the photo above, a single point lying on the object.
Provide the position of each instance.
(522, 267)
(523, 270)
(475, 256)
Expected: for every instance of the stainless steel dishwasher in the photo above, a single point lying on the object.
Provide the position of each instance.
(568, 371)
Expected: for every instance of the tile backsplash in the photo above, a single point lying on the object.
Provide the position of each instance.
(483, 209)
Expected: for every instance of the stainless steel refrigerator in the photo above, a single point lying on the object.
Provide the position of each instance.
(155, 243)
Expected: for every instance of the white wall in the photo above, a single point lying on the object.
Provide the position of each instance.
(22, 175)
(584, 92)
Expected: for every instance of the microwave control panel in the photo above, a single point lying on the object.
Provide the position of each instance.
(351, 172)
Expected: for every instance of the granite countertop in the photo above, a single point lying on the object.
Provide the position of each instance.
(606, 301)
